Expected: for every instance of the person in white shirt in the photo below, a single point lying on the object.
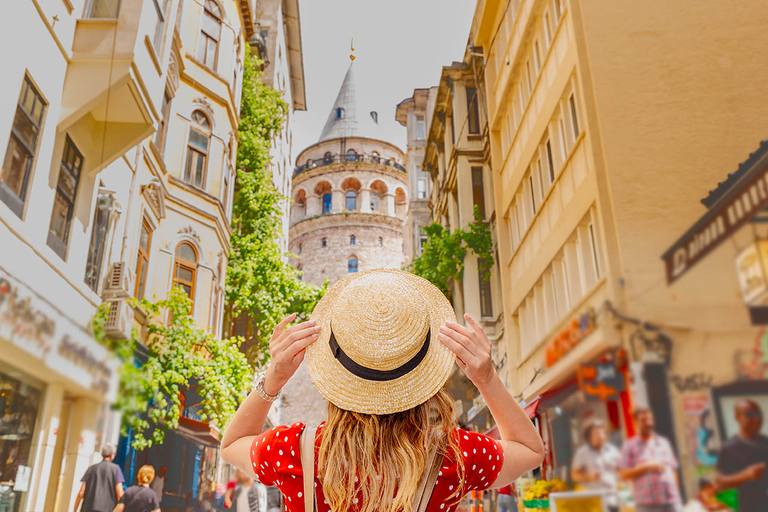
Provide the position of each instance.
(595, 464)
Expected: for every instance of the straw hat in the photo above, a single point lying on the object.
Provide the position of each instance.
(382, 355)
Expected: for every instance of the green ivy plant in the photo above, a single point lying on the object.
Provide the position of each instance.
(177, 356)
(260, 283)
(442, 259)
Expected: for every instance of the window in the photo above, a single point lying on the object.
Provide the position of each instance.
(327, 157)
(325, 242)
(22, 144)
(375, 202)
(197, 149)
(159, 27)
(532, 189)
(473, 115)
(225, 187)
(558, 10)
(381, 242)
(529, 77)
(142, 261)
(301, 247)
(541, 178)
(339, 113)
(536, 57)
(563, 141)
(593, 246)
(185, 269)
(327, 203)
(421, 183)
(547, 30)
(422, 240)
(64, 201)
(352, 240)
(210, 32)
(484, 278)
(351, 155)
(102, 9)
(351, 198)
(420, 127)
(550, 162)
(574, 117)
(352, 266)
(162, 127)
(98, 240)
(478, 196)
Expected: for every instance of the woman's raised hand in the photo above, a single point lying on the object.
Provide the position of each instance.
(287, 347)
(472, 348)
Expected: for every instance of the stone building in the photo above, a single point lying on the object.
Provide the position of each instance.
(415, 114)
(349, 196)
(601, 158)
(350, 199)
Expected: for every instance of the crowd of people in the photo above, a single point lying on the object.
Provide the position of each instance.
(648, 462)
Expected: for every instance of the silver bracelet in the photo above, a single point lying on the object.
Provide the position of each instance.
(262, 393)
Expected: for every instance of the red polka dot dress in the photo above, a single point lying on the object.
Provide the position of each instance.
(276, 461)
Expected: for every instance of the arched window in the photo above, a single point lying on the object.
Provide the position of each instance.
(375, 157)
(327, 203)
(381, 241)
(351, 155)
(351, 239)
(325, 242)
(375, 202)
(339, 113)
(351, 197)
(352, 265)
(327, 157)
(197, 149)
(210, 33)
(185, 269)
(300, 248)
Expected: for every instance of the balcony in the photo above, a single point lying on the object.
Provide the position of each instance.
(112, 74)
(331, 159)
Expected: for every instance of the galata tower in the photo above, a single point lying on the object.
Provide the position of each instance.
(349, 195)
(348, 211)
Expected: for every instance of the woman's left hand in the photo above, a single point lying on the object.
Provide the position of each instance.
(472, 348)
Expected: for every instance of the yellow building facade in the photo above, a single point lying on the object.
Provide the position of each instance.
(117, 181)
(609, 122)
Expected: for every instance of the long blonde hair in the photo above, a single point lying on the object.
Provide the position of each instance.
(381, 457)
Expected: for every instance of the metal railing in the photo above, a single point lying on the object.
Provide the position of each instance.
(331, 159)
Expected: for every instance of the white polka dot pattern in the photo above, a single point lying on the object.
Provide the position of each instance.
(275, 457)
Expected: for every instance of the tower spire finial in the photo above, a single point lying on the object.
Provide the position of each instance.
(352, 47)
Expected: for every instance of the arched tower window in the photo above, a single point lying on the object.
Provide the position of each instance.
(327, 202)
(185, 269)
(339, 113)
(351, 155)
(325, 242)
(351, 198)
(352, 239)
(378, 190)
(210, 33)
(381, 241)
(197, 149)
(352, 265)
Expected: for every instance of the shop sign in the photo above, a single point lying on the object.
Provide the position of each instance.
(35, 326)
(600, 382)
(577, 330)
(751, 264)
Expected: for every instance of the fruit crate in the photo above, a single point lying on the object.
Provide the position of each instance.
(541, 503)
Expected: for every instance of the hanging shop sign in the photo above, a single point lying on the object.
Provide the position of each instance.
(579, 328)
(600, 382)
(751, 265)
(37, 327)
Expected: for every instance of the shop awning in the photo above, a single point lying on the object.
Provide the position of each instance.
(532, 409)
(199, 432)
(735, 202)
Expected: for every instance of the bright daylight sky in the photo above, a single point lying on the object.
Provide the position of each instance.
(400, 45)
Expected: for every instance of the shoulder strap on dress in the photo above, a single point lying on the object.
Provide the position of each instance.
(307, 452)
(429, 478)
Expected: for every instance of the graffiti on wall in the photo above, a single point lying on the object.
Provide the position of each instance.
(700, 437)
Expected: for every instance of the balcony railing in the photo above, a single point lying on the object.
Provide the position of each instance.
(330, 159)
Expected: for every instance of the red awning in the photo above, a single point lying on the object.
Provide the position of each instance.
(532, 409)
(198, 432)
(494, 433)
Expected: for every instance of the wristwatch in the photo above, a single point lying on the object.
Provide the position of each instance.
(262, 393)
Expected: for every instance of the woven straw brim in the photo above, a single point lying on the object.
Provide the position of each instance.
(353, 393)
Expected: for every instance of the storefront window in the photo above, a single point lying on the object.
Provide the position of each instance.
(19, 404)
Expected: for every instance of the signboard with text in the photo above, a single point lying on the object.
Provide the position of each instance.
(601, 381)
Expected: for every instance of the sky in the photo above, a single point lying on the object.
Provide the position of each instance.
(400, 45)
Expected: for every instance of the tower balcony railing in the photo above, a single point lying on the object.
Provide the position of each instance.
(331, 159)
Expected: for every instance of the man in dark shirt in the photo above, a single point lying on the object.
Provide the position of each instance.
(102, 484)
(743, 458)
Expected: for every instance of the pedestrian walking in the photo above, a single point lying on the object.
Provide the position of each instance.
(595, 464)
(140, 497)
(158, 483)
(743, 459)
(102, 484)
(648, 461)
(246, 495)
(380, 346)
(506, 499)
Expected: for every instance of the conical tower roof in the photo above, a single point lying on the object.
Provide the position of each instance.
(348, 118)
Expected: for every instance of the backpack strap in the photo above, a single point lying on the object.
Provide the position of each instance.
(429, 478)
(307, 452)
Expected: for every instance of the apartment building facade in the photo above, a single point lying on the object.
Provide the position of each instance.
(600, 158)
(117, 183)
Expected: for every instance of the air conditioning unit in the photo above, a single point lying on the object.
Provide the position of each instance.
(119, 281)
(119, 319)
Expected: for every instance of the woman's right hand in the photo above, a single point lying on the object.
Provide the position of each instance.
(287, 348)
(472, 348)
